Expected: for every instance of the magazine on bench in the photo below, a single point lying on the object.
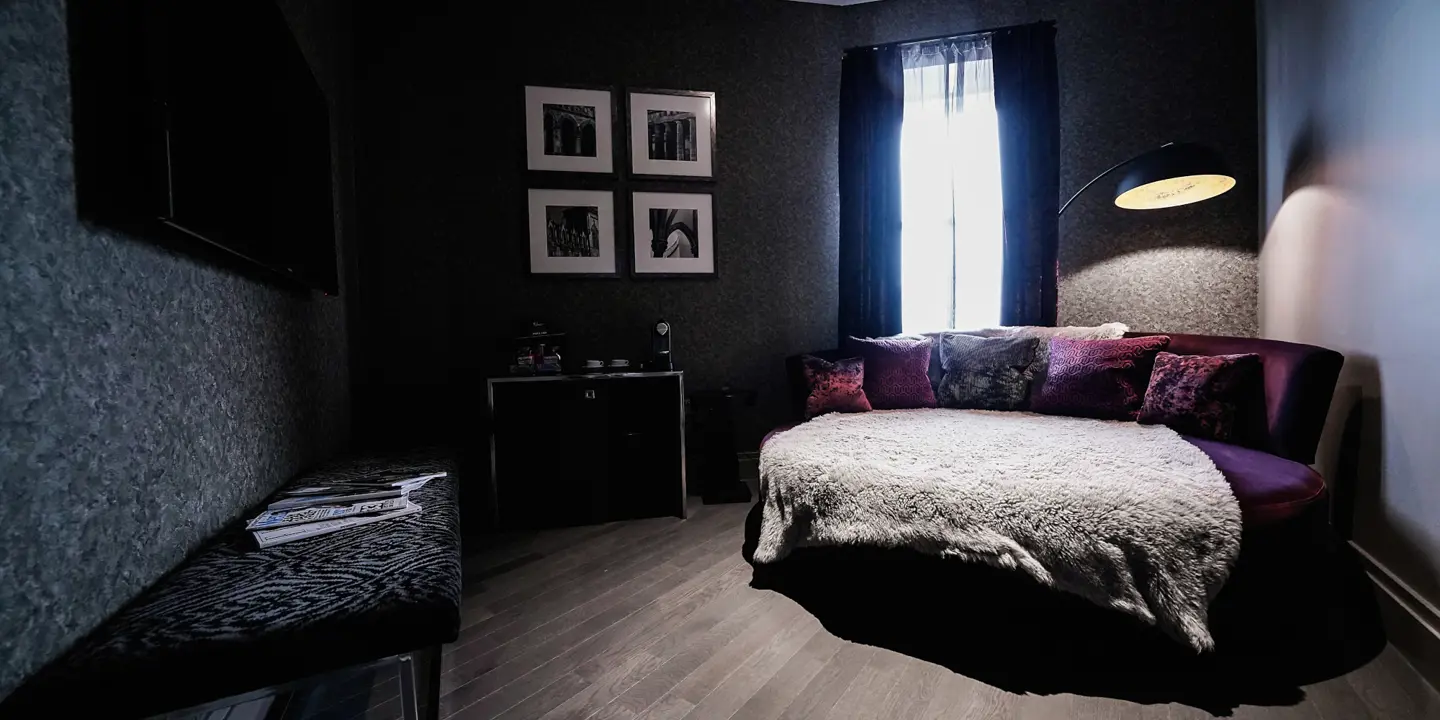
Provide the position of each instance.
(380, 484)
(307, 511)
(289, 533)
(280, 518)
(346, 493)
(333, 499)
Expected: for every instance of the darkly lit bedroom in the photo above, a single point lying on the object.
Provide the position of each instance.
(719, 359)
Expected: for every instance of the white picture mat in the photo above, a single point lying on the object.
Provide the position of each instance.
(704, 109)
(541, 262)
(536, 98)
(702, 204)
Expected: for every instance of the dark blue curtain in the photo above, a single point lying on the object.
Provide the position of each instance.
(1027, 102)
(872, 106)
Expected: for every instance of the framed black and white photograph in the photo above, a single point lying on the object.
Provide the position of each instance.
(672, 134)
(674, 233)
(572, 232)
(569, 129)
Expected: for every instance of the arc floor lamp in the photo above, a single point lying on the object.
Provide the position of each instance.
(1171, 175)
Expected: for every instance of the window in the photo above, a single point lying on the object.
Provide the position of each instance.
(952, 237)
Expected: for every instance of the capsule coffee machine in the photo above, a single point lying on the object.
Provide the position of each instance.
(660, 358)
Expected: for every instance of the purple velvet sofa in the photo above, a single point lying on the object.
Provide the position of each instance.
(1273, 484)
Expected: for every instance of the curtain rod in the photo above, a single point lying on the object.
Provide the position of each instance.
(947, 36)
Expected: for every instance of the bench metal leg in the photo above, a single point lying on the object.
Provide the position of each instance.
(409, 700)
(432, 690)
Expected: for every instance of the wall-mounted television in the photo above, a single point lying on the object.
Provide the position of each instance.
(201, 125)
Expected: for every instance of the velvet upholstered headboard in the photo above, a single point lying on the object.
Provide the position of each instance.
(1299, 384)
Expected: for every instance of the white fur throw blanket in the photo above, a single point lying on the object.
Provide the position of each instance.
(1129, 516)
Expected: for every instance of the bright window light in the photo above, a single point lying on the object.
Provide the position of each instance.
(952, 239)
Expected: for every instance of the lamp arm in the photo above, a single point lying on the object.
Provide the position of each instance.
(1111, 169)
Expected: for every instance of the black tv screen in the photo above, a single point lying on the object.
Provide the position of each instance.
(209, 128)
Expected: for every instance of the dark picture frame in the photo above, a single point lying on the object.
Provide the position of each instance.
(558, 242)
(680, 235)
(560, 152)
(689, 139)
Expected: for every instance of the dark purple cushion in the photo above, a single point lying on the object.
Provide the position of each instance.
(1269, 488)
(1103, 379)
(897, 371)
(1299, 383)
(1209, 396)
(835, 386)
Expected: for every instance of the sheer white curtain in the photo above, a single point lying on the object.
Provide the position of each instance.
(952, 237)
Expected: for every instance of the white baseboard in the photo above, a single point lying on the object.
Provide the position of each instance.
(1415, 629)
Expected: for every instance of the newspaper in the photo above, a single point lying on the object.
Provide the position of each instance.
(338, 494)
(352, 486)
(289, 533)
(279, 518)
(419, 481)
(305, 512)
(335, 499)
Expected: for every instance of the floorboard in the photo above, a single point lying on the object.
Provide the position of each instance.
(794, 676)
(868, 691)
(691, 650)
(964, 699)
(749, 676)
(544, 618)
(619, 549)
(608, 631)
(1335, 699)
(709, 662)
(658, 620)
(819, 696)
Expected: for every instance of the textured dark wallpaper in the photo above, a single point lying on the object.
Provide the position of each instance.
(442, 182)
(145, 398)
(443, 186)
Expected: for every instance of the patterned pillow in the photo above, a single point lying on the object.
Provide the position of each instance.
(1103, 379)
(986, 373)
(834, 386)
(1208, 396)
(1108, 331)
(896, 371)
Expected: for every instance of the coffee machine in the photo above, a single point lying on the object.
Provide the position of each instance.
(660, 357)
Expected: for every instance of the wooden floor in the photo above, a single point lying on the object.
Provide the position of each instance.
(656, 619)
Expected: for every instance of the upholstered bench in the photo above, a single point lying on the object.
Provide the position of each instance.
(234, 619)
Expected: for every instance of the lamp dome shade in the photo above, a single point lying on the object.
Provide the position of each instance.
(1173, 175)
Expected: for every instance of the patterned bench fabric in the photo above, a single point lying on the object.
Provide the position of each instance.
(234, 618)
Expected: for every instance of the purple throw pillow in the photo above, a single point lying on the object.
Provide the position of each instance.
(834, 386)
(1207, 396)
(1103, 379)
(897, 371)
